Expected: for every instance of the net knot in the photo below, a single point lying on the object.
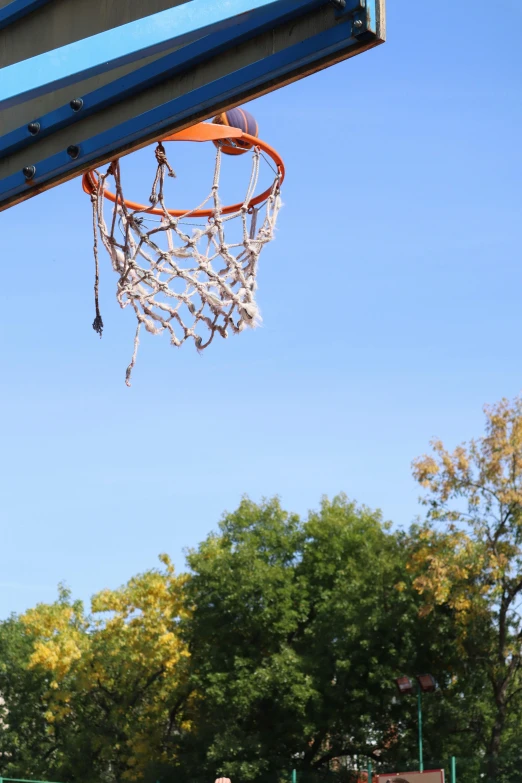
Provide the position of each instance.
(161, 157)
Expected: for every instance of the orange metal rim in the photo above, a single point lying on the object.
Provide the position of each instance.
(197, 133)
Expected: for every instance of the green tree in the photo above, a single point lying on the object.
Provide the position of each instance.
(467, 557)
(297, 630)
(24, 738)
(115, 680)
(278, 650)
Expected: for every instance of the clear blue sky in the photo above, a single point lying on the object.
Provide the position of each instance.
(391, 305)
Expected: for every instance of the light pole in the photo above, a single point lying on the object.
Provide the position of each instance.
(425, 684)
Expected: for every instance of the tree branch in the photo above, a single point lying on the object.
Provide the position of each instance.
(149, 681)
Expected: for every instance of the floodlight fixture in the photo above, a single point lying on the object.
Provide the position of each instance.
(427, 683)
(405, 686)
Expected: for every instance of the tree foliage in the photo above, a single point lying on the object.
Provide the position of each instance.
(472, 564)
(24, 740)
(297, 633)
(114, 682)
(280, 646)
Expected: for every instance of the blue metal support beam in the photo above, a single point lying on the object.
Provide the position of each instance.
(17, 9)
(168, 66)
(186, 108)
(125, 44)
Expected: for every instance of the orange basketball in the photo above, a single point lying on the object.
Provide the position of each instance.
(236, 118)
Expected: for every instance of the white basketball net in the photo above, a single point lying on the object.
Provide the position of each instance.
(179, 275)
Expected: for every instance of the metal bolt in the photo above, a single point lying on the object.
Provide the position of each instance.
(358, 23)
(33, 128)
(73, 151)
(76, 104)
(29, 171)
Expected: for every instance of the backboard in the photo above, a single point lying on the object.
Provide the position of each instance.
(85, 81)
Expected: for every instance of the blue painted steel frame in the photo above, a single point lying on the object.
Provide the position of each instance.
(17, 9)
(125, 44)
(177, 62)
(151, 124)
(365, 13)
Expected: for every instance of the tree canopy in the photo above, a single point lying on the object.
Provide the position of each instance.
(279, 647)
(467, 556)
(108, 688)
(300, 626)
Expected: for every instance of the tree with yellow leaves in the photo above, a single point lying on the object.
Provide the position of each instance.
(468, 556)
(117, 679)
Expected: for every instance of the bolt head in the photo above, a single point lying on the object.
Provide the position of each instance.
(73, 151)
(358, 23)
(29, 171)
(76, 104)
(33, 128)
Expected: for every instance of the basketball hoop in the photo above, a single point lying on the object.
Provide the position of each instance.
(178, 275)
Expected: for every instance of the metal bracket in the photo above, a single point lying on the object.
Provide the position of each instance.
(147, 76)
(356, 29)
(86, 153)
(360, 12)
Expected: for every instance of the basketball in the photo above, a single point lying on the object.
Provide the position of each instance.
(236, 118)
